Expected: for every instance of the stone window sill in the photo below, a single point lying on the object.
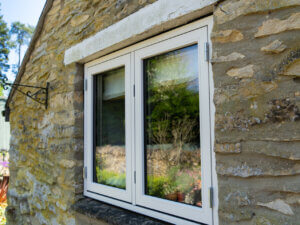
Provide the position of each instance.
(90, 211)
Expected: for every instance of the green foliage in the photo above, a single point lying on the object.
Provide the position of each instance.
(156, 185)
(4, 49)
(184, 183)
(111, 178)
(172, 96)
(22, 34)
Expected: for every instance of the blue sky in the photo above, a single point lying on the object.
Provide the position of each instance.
(25, 11)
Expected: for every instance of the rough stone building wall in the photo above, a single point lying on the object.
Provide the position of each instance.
(47, 145)
(256, 69)
(257, 91)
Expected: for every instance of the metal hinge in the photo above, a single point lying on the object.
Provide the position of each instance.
(133, 90)
(206, 49)
(85, 85)
(211, 197)
(84, 172)
(134, 176)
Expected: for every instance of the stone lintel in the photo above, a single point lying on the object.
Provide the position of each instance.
(151, 20)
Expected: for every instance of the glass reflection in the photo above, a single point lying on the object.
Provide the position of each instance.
(110, 163)
(172, 132)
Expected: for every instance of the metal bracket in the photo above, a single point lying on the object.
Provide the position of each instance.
(211, 197)
(206, 49)
(133, 90)
(35, 96)
(134, 177)
(84, 172)
(85, 85)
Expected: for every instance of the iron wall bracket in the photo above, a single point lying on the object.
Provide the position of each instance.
(40, 95)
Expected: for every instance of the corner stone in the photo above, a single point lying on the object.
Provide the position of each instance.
(275, 26)
(278, 205)
(225, 36)
(274, 47)
(228, 148)
(244, 72)
(229, 58)
(79, 20)
(67, 163)
(293, 69)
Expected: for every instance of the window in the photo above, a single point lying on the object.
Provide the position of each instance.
(147, 127)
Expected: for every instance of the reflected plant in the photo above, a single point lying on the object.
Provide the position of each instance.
(111, 178)
(183, 132)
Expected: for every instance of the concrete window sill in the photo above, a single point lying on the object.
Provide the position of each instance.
(89, 211)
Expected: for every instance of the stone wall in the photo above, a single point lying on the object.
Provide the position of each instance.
(47, 145)
(256, 67)
(256, 75)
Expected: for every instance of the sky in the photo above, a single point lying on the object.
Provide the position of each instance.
(24, 11)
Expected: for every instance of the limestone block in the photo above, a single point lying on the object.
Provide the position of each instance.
(77, 20)
(67, 163)
(228, 148)
(275, 26)
(244, 72)
(249, 165)
(232, 9)
(263, 221)
(225, 36)
(274, 47)
(293, 69)
(228, 58)
(278, 205)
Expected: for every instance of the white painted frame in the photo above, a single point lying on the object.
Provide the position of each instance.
(205, 22)
(203, 214)
(124, 195)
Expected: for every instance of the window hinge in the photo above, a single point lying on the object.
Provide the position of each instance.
(85, 85)
(211, 197)
(84, 172)
(133, 90)
(206, 49)
(134, 176)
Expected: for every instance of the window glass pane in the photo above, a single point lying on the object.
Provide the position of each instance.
(109, 154)
(172, 132)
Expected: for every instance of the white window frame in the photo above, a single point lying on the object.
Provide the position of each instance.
(203, 213)
(135, 199)
(124, 195)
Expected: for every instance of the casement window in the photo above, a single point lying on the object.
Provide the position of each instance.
(147, 127)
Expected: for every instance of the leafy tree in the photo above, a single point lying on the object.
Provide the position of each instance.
(4, 49)
(23, 34)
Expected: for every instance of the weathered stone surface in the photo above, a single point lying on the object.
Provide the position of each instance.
(230, 10)
(293, 69)
(275, 26)
(79, 20)
(244, 72)
(274, 47)
(286, 150)
(225, 36)
(228, 148)
(256, 166)
(67, 163)
(231, 57)
(278, 205)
